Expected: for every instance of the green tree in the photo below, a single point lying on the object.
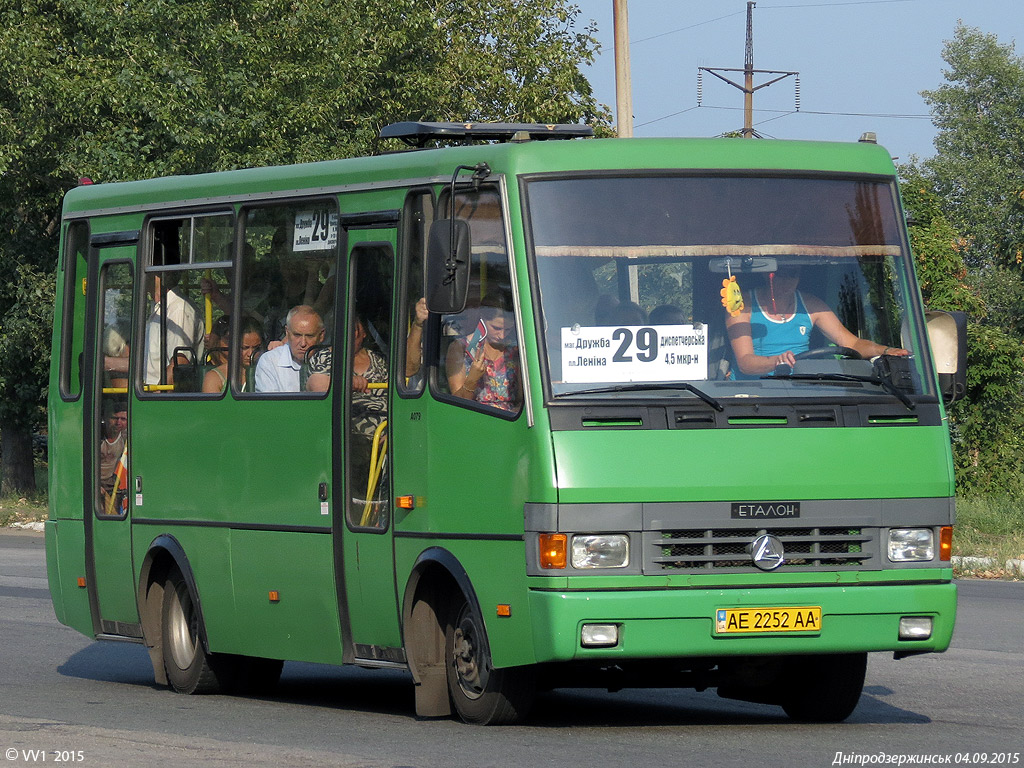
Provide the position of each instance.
(978, 168)
(115, 91)
(968, 234)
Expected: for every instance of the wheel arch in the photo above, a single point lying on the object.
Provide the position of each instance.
(436, 578)
(164, 554)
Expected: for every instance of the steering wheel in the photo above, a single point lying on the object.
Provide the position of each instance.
(821, 353)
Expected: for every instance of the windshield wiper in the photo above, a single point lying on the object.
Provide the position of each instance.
(683, 385)
(883, 383)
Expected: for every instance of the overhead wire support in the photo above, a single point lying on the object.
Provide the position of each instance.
(748, 71)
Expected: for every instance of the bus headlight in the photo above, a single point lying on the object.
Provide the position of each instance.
(910, 544)
(600, 550)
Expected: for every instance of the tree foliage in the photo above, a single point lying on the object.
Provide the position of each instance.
(114, 91)
(978, 169)
(967, 233)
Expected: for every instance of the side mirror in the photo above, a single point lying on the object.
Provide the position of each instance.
(947, 334)
(448, 261)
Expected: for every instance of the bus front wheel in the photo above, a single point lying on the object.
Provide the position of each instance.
(185, 661)
(825, 689)
(480, 693)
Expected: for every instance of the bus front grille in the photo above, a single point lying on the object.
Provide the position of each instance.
(715, 549)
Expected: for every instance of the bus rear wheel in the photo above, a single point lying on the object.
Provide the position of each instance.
(825, 689)
(481, 694)
(185, 661)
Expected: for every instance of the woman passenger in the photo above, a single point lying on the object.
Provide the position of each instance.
(484, 366)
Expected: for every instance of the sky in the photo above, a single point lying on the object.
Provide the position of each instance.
(867, 58)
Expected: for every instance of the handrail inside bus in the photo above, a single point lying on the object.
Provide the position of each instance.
(145, 388)
(378, 452)
(170, 388)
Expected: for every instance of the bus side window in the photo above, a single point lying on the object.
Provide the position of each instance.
(289, 260)
(479, 358)
(417, 215)
(111, 487)
(76, 249)
(185, 254)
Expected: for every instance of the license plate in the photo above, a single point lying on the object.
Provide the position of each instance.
(741, 620)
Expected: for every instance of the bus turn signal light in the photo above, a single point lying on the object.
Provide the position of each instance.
(81, 581)
(946, 544)
(552, 550)
(504, 610)
(406, 502)
(275, 596)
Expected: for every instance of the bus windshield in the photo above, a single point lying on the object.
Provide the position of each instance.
(725, 286)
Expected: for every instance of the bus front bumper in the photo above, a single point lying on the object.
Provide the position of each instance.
(675, 623)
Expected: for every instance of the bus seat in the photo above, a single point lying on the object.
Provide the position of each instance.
(187, 377)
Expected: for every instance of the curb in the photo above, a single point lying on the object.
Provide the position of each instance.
(1013, 566)
(36, 526)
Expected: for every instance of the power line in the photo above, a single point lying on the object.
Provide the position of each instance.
(683, 29)
(656, 120)
(892, 115)
(785, 112)
(835, 5)
(769, 7)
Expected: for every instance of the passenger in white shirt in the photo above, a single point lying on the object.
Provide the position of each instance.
(278, 370)
(184, 328)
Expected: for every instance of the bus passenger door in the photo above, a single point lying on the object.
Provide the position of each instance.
(108, 540)
(365, 440)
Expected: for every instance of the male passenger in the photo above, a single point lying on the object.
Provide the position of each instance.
(183, 326)
(278, 370)
(112, 451)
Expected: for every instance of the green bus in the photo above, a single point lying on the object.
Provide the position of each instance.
(609, 413)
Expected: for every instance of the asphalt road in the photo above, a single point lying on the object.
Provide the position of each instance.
(95, 704)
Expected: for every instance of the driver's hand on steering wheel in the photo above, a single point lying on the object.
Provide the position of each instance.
(786, 358)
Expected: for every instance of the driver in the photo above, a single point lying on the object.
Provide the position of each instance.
(775, 326)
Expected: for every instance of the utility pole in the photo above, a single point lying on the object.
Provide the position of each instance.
(623, 81)
(748, 71)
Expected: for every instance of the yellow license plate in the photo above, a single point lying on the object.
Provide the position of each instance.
(739, 620)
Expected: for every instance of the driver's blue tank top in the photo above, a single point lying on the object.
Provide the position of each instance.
(773, 337)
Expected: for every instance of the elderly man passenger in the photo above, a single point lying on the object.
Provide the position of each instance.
(278, 370)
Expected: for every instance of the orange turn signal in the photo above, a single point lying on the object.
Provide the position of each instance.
(81, 581)
(552, 550)
(504, 610)
(275, 596)
(946, 543)
(405, 502)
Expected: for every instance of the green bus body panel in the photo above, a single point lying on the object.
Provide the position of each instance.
(233, 461)
(668, 623)
(65, 564)
(304, 624)
(753, 464)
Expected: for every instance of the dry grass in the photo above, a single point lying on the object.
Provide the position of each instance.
(991, 528)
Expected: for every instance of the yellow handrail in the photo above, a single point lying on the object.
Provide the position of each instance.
(208, 274)
(118, 476)
(378, 452)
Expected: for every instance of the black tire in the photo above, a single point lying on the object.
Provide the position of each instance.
(185, 660)
(479, 693)
(825, 689)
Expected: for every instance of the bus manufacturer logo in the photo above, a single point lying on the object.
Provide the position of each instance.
(767, 552)
(752, 510)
